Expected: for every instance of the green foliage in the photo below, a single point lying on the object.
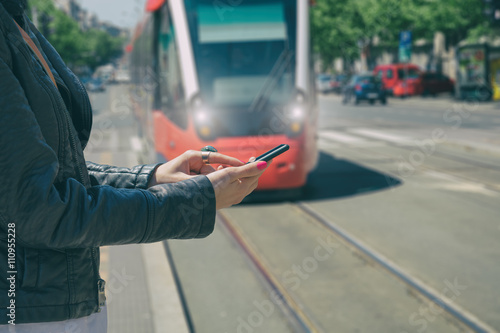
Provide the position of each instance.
(77, 48)
(475, 34)
(101, 48)
(341, 27)
(335, 29)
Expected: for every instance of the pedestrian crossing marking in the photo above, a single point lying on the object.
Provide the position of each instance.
(383, 136)
(340, 137)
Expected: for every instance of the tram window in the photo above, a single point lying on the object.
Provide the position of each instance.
(171, 85)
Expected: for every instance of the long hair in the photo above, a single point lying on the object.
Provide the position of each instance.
(15, 7)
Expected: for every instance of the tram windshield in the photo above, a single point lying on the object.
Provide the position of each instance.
(244, 52)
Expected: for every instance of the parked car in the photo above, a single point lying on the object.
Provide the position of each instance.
(399, 79)
(95, 85)
(364, 87)
(432, 83)
(85, 79)
(338, 83)
(323, 83)
(122, 76)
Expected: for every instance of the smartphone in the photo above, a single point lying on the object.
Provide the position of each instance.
(269, 155)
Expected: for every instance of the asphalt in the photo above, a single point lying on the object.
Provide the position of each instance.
(430, 206)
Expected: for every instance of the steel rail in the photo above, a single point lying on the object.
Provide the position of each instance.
(460, 314)
(288, 305)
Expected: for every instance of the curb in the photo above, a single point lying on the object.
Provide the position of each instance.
(167, 313)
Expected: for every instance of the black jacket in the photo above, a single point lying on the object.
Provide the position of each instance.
(56, 210)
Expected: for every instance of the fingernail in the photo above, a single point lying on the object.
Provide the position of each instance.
(242, 161)
(261, 165)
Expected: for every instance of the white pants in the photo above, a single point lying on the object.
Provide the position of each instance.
(95, 323)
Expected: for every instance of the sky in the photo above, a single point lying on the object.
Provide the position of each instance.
(123, 13)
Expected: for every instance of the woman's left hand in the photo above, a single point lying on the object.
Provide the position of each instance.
(188, 165)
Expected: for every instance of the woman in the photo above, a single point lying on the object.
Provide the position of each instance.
(56, 210)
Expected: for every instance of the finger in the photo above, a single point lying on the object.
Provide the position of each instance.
(252, 159)
(254, 185)
(246, 186)
(248, 170)
(250, 183)
(218, 158)
(206, 169)
(180, 176)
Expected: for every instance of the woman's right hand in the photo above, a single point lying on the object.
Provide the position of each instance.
(233, 184)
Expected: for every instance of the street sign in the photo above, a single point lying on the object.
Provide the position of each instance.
(404, 46)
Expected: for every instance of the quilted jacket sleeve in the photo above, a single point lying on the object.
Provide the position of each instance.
(68, 215)
(137, 177)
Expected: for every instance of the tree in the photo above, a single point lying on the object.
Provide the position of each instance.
(77, 48)
(336, 29)
(341, 27)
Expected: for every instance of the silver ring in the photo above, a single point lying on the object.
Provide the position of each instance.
(204, 156)
(205, 153)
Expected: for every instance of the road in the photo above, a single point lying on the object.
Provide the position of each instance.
(403, 206)
(417, 181)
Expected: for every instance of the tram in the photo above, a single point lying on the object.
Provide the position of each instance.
(233, 74)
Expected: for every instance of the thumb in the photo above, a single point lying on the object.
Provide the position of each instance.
(248, 170)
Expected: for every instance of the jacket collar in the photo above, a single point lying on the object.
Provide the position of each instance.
(7, 21)
(14, 7)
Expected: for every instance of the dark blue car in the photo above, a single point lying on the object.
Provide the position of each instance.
(95, 85)
(365, 87)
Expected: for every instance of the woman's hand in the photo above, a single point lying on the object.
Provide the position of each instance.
(233, 184)
(188, 165)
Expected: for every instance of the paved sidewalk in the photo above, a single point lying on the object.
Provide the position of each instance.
(140, 290)
(129, 306)
(141, 294)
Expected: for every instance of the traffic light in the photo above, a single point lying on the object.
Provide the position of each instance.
(492, 11)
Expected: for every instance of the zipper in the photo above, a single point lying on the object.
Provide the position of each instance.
(87, 107)
(58, 101)
(73, 145)
(101, 288)
(101, 284)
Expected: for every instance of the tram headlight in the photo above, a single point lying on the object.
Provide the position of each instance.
(202, 119)
(296, 114)
(201, 116)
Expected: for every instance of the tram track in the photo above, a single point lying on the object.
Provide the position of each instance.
(293, 310)
(298, 314)
(417, 286)
(295, 307)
